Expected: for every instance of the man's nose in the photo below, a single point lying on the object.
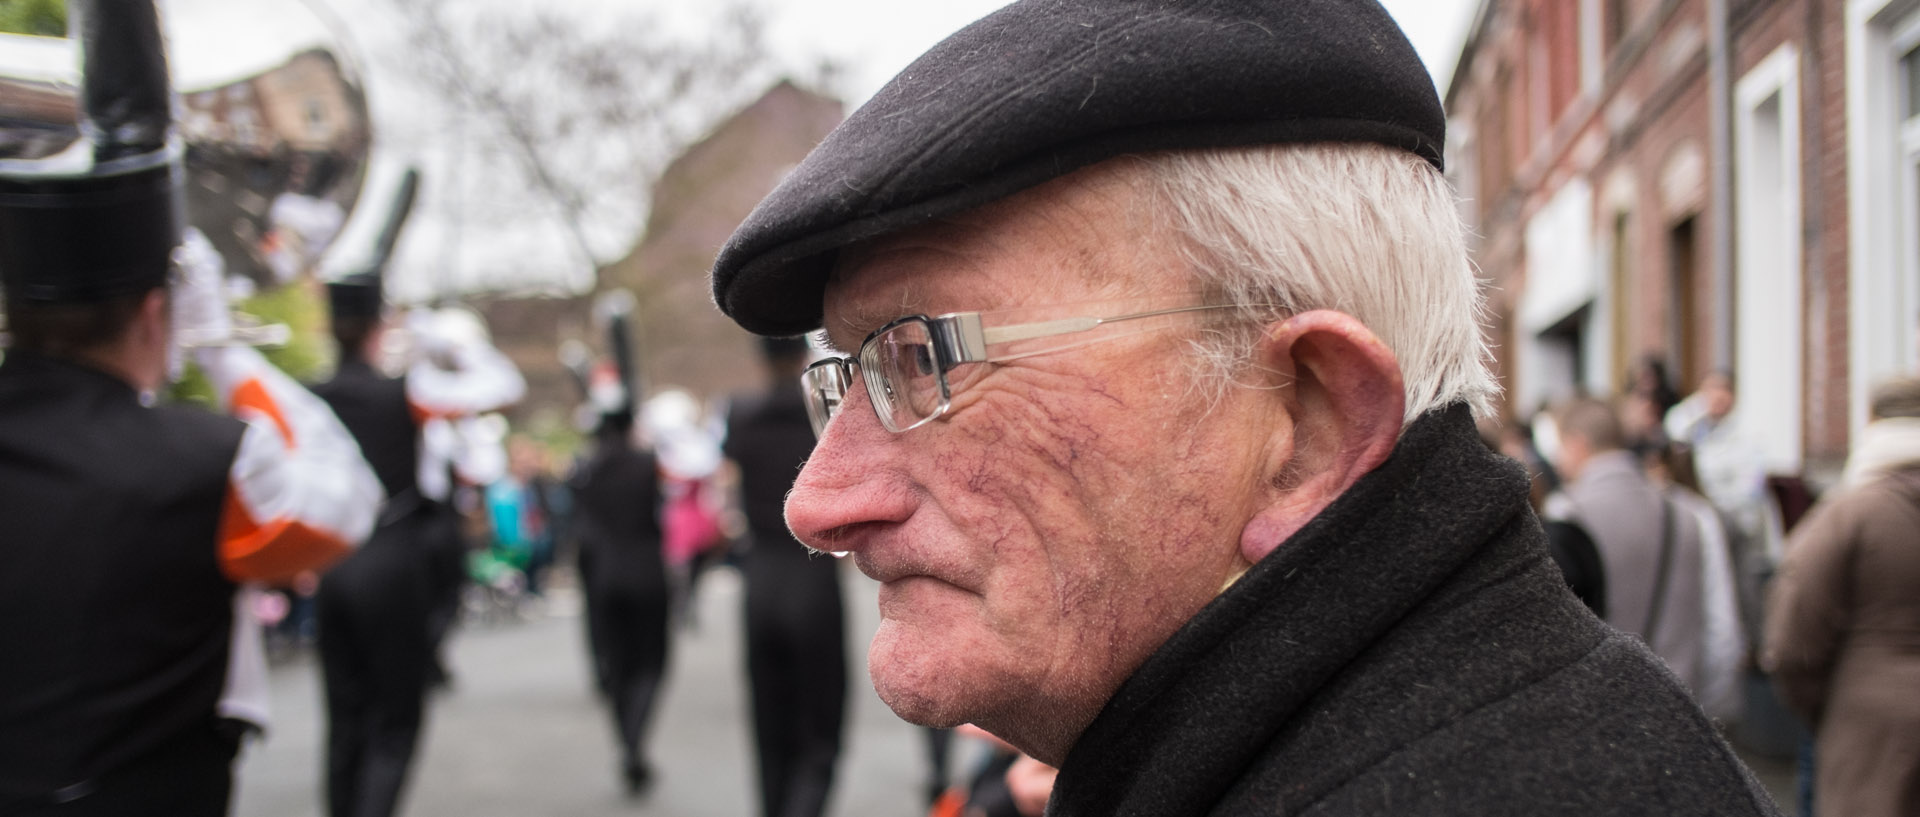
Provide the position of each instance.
(852, 483)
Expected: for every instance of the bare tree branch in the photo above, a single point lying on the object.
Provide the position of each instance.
(587, 113)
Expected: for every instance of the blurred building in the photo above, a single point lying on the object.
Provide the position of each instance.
(298, 128)
(1720, 183)
(30, 113)
(700, 198)
(529, 330)
(682, 340)
(288, 123)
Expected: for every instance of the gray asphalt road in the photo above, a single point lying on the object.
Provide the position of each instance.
(521, 733)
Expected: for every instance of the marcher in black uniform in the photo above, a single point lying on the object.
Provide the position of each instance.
(372, 610)
(616, 501)
(796, 642)
(376, 642)
(128, 525)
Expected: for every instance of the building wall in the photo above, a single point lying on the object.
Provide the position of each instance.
(680, 339)
(698, 201)
(1637, 132)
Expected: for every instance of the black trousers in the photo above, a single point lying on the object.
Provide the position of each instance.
(797, 666)
(446, 549)
(375, 652)
(632, 622)
(189, 776)
(627, 616)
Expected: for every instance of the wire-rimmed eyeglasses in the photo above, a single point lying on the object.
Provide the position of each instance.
(905, 363)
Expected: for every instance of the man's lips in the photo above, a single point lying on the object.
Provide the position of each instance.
(896, 573)
(900, 574)
(919, 597)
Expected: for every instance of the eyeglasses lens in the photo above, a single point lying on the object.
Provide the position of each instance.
(903, 375)
(825, 383)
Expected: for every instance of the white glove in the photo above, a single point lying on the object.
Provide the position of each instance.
(201, 315)
(200, 312)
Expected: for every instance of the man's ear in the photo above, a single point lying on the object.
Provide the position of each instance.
(149, 338)
(1343, 404)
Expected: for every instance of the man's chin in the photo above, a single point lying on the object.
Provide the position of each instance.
(921, 680)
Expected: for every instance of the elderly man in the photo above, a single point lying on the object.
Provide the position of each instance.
(1158, 429)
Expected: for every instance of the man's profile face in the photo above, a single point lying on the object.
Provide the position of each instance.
(1069, 512)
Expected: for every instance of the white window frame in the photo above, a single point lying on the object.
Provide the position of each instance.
(1883, 304)
(1770, 271)
(1593, 58)
(1562, 263)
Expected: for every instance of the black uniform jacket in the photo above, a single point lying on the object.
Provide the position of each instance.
(375, 410)
(1412, 650)
(115, 617)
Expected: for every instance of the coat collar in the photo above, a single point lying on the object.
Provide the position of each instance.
(1195, 715)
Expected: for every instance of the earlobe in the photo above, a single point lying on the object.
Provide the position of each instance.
(1345, 406)
(155, 315)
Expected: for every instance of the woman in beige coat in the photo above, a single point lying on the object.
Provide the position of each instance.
(1843, 627)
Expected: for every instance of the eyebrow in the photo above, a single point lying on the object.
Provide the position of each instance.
(860, 320)
(820, 338)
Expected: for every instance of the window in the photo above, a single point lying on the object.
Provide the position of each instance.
(1769, 271)
(1883, 157)
(317, 119)
(1910, 76)
(1616, 23)
(1685, 338)
(1619, 289)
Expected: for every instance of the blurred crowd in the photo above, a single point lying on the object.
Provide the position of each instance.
(1778, 601)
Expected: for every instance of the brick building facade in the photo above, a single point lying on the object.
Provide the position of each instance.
(682, 341)
(1685, 180)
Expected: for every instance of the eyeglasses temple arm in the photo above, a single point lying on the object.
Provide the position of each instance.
(1067, 326)
(1044, 329)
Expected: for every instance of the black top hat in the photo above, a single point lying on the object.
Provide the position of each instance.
(359, 292)
(1041, 88)
(101, 219)
(355, 296)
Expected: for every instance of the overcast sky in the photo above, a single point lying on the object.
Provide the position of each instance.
(869, 40)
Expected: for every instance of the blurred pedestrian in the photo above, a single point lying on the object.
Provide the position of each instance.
(796, 642)
(688, 449)
(986, 791)
(1731, 468)
(939, 757)
(376, 640)
(1644, 406)
(1569, 544)
(1650, 546)
(517, 507)
(129, 525)
(616, 520)
(1843, 623)
(1727, 640)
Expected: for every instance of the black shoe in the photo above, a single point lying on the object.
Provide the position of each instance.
(638, 776)
(438, 679)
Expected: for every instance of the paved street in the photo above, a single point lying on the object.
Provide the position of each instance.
(521, 733)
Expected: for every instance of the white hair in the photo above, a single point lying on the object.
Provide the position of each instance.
(1362, 229)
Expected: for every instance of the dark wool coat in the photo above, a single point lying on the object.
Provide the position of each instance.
(1412, 650)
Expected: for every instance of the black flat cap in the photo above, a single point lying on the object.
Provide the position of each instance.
(1042, 88)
